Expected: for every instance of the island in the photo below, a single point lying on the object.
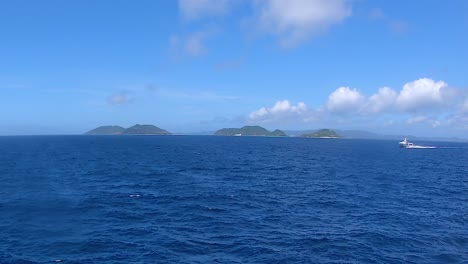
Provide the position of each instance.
(145, 130)
(106, 130)
(134, 130)
(322, 133)
(249, 131)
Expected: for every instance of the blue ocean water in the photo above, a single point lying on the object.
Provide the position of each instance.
(209, 199)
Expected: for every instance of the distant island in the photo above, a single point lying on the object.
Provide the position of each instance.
(322, 133)
(249, 131)
(134, 130)
(260, 131)
(106, 130)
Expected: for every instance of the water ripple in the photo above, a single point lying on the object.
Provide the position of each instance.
(230, 200)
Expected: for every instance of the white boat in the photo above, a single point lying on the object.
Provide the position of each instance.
(404, 143)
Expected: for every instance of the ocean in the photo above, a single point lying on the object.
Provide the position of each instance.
(216, 199)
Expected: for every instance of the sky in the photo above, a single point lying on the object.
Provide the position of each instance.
(390, 67)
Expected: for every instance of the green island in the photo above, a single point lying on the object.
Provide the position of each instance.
(250, 131)
(106, 130)
(134, 130)
(322, 133)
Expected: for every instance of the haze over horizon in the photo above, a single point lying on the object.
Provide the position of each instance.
(390, 67)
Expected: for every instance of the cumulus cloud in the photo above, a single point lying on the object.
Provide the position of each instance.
(420, 103)
(416, 97)
(421, 94)
(294, 21)
(344, 99)
(280, 109)
(382, 101)
(196, 9)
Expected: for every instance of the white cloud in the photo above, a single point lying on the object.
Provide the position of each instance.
(195, 9)
(294, 21)
(383, 100)
(416, 96)
(420, 105)
(119, 99)
(279, 110)
(259, 114)
(344, 100)
(421, 94)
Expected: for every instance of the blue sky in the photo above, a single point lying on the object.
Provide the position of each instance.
(200, 65)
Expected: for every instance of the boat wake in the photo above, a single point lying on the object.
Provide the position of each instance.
(420, 147)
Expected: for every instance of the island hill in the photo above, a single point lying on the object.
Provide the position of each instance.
(322, 133)
(134, 130)
(250, 131)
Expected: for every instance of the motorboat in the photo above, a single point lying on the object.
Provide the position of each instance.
(404, 143)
